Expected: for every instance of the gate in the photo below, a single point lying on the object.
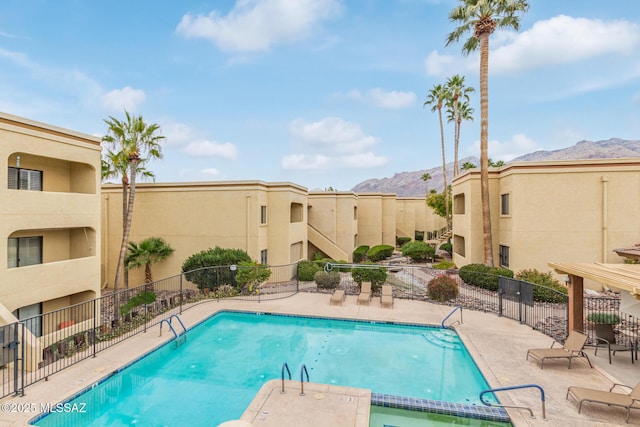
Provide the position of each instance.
(10, 363)
(515, 296)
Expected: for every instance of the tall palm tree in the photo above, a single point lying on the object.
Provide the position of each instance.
(459, 92)
(129, 145)
(482, 17)
(437, 98)
(425, 177)
(146, 253)
(464, 112)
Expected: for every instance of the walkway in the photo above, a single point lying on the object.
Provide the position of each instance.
(498, 345)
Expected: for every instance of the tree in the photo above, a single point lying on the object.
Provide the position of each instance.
(464, 112)
(482, 17)
(458, 93)
(210, 269)
(468, 165)
(250, 275)
(437, 97)
(436, 201)
(129, 145)
(425, 177)
(147, 252)
(497, 164)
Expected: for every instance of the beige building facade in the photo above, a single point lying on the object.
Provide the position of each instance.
(50, 221)
(560, 211)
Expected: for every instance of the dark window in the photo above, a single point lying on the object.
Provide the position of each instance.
(504, 204)
(23, 251)
(31, 315)
(263, 214)
(24, 179)
(504, 256)
(263, 257)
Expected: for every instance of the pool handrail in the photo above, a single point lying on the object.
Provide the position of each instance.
(459, 307)
(284, 366)
(492, 390)
(175, 334)
(181, 324)
(303, 369)
(168, 321)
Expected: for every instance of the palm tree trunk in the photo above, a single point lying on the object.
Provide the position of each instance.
(484, 143)
(456, 166)
(127, 223)
(456, 137)
(444, 172)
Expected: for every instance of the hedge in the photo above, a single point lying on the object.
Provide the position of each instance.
(380, 252)
(360, 253)
(376, 275)
(548, 289)
(402, 240)
(307, 270)
(418, 251)
(327, 280)
(482, 276)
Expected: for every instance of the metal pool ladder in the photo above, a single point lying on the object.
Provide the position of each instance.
(168, 321)
(482, 393)
(284, 366)
(451, 314)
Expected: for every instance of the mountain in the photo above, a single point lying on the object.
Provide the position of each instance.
(410, 184)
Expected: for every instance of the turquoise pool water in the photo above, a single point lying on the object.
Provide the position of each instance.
(214, 375)
(394, 417)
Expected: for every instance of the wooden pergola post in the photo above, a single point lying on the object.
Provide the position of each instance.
(576, 302)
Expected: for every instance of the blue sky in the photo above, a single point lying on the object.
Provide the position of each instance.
(317, 92)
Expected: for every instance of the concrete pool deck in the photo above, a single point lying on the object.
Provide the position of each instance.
(498, 345)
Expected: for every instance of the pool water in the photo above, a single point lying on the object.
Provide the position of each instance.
(394, 417)
(213, 376)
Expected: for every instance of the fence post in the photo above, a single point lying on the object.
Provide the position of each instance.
(180, 293)
(500, 292)
(23, 357)
(95, 326)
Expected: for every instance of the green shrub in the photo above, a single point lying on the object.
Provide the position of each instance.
(418, 251)
(379, 252)
(605, 318)
(225, 291)
(376, 275)
(251, 274)
(209, 269)
(548, 289)
(400, 241)
(318, 255)
(419, 235)
(442, 288)
(444, 265)
(327, 280)
(482, 276)
(360, 253)
(448, 247)
(306, 270)
(145, 297)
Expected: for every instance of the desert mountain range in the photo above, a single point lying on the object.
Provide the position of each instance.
(410, 184)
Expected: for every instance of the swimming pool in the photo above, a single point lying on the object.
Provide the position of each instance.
(215, 374)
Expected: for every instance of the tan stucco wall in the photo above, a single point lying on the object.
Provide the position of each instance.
(334, 215)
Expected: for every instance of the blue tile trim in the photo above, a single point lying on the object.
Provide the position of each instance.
(490, 413)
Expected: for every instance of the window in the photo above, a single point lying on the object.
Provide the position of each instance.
(458, 245)
(263, 257)
(296, 212)
(25, 179)
(23, 251)
(32, 316)
(504, 204)
(458, 204)
(263, 214)
(504, 256)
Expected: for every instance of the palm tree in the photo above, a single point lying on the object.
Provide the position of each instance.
(147, 252)
(130, 144)
(459, 92)
(483, 17)
(437, 97)
(425, 177)
(468, 165)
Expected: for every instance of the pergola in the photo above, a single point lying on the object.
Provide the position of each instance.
(624, 277)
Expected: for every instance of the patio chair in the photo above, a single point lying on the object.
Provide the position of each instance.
(386, 297)
(338, 297)
(606, 335)
(572, 348)
(628, 401)
(365, 293)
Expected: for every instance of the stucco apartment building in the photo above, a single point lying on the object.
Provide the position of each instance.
(554, 211)
(50, 214)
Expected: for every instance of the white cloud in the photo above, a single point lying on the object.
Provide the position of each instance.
(392, 99)
(256, 25)
(210, 172)
(211, 149)
(126, 98)
(322, 162)
(176, 134)
(558, 40)
(519, 145)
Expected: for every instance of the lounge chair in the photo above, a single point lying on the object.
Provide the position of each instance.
(628, 401)
(338, 297)
(365, 293)
(572, 348)
(605, 335)
(386, 297)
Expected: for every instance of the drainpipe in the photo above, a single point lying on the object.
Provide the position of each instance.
(248, 203)
(605, 216)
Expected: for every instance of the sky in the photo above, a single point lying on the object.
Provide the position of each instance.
(320, 93)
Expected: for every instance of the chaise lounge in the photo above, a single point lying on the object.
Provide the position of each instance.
(628, 401)
(338, 297)
(365, 293)
(386, 297)
(572, 348)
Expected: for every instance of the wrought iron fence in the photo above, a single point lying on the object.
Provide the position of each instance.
(606, 310)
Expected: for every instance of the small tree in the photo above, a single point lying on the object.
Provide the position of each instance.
(147, 252)
(436, 201)
(209, 269)
(418, 251)
(443, 288)
(250, 275)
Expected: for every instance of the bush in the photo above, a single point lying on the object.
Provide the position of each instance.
(448, 247)
(419, 235)
(418, 251)
(482, 276)
(306, 270)
(380, 252)
(145, 297)
(200, 268)
(444, 265)
(327, 280)
(401, 241)
(548, 289)
(604, 318)
(376, 275)
(442, 288)
(251, 274)
(360, 253)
